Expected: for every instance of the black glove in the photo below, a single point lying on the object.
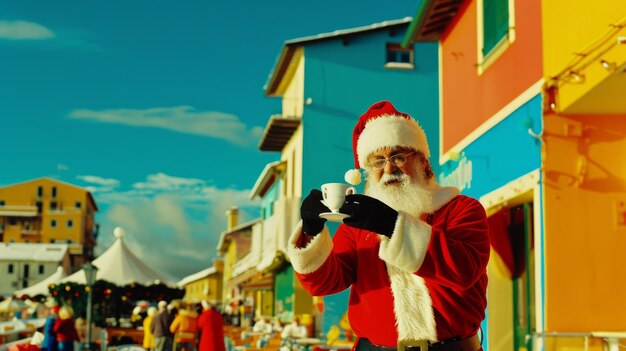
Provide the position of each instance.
(310, 211)
(370, 214)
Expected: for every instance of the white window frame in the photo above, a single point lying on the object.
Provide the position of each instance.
(484, 61)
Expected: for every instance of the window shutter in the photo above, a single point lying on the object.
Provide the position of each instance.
(495, 23)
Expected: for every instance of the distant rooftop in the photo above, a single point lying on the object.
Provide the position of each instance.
(288, 51)
(344, 32)
(32, 252)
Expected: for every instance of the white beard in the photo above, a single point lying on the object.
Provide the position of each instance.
(411, 195)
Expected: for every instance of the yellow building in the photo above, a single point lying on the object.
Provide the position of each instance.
(49, 211)
(204, 285)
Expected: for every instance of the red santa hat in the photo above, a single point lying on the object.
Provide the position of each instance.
(383, 126)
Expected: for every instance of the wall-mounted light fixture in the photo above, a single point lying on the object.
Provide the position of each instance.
(609, 66)
(575, 77)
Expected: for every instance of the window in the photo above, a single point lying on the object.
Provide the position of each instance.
(69, 241)
(39, 191)
(54, 191)
(41, 269)
(10, 268)
(53, 223)
(78, 204)
(1, 202)
(53, 205)
(52, 241)
(70, 223)
(399, 57)
(496, 30)
(39, 206)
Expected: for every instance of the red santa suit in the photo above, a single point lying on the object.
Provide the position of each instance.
(427, 282)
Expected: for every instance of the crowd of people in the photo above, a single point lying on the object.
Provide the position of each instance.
(183, 327)
(60, 330)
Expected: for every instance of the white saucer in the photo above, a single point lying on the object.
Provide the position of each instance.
(334, 216)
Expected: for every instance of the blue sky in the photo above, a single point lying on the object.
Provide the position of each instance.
(155, 106)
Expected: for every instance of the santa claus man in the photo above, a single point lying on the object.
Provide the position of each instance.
(412, 252)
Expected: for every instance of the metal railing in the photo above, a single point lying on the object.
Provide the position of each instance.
(610, 339)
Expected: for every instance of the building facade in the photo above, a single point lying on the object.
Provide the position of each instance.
(325, 82)
(532, 124)
(22, 265)
(49, 211)
(206, 284)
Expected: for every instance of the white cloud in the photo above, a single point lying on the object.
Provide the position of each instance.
(99, 180)
(22, 30)
(182, 119)
(161, 181)
(172, 223)
(62, 167)
(102, 185)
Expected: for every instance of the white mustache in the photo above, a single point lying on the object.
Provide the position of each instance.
(387, 178)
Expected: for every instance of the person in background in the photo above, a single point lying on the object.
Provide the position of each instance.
(294, 330)
(160, 328)
(277, 325)
(65, 329)
(81, 328)
(185, 328)
(49, 336)
(211, 328)
(264, 326)
(148, 338)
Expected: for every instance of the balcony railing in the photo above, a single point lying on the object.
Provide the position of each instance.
(18, 211)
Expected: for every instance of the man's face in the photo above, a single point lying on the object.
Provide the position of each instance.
(400, 180)
(399, 165)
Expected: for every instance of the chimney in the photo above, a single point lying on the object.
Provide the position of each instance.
(232, 218)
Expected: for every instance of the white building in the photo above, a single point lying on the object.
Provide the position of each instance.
(25, 264)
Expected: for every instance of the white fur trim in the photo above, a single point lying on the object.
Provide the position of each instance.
(412, 305)
(441, 195)
(310, 258)
(407, 247)
(387, 131)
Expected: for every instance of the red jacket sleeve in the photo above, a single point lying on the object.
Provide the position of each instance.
(458, 251)
(337, 273)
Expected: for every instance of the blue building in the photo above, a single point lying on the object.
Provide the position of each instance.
(326, 82)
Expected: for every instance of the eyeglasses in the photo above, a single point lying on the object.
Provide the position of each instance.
(397, 160)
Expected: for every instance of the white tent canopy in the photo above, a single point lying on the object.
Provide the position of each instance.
(118, 265)
(41, 288)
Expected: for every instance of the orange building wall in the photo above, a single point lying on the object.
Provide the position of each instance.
(585, 227)
(468, 99)
(25, 194)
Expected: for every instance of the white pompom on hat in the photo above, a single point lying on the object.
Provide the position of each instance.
(383, 126)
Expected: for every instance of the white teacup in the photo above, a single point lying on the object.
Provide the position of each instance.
(334, 195)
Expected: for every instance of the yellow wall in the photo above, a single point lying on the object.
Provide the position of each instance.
(571, 27)
(229, 262)
(208, 288)
(585, 222)
(41, 229)
(500, 306)
(293, 83)
(293, 104)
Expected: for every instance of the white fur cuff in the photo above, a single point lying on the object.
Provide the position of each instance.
(310, 258)
(407, 247)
